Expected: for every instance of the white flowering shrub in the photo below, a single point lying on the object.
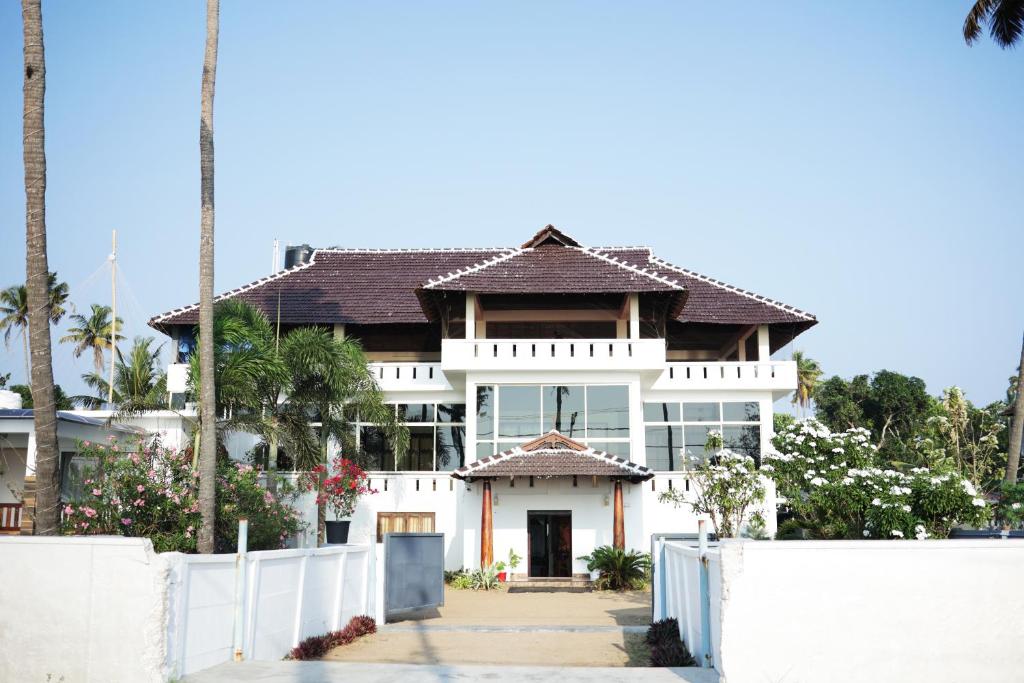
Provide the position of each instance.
(837, 488)
(725, 486)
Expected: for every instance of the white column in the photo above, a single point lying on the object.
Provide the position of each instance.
(30, 455)
(764, 351)
(634, 316)
(470, 315)
(339, 331)
(470, 421)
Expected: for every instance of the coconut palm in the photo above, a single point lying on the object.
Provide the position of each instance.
(93, 332)
(139, 385)
(207, 402)
(1016, 424)
(1005, 19)
(808, 372)
(14, 309)
(37, 271)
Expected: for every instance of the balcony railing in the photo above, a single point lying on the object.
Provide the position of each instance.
(10, 518)
(410, 377)
(779, 376)
(552, 354)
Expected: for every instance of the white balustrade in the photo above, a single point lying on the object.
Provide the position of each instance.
(552, 354)
(773, 375)
(410, 377)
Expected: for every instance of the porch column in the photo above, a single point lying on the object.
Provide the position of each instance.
(486, 528)
(764, 350)
(618, 524)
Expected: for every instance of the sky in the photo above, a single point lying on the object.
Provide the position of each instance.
(856, 160)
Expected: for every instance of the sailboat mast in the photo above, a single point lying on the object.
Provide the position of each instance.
(113, 317)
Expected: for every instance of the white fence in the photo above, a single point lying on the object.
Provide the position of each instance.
(682, 593)
(850, 611)
(104, 609)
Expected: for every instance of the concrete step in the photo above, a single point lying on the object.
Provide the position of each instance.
(542, 584)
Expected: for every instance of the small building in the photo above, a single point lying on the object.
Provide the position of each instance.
(552, 391)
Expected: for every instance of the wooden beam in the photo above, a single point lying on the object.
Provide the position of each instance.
(736, 339)
(486, 528)
(618, 523)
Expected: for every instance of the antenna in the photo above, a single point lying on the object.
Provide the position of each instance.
(113, 317)
(275, 264)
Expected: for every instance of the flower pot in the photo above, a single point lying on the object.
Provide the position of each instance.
(502, 576)
(337, 532)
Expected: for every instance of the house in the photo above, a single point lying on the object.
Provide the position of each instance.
(551, 391)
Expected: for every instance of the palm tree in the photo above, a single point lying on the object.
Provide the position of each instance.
(808, 372)
(207, 403)
(14, 308)
(1005, 19)
(93, 332)
(1016, 425)
(139, 385)
(38, 272)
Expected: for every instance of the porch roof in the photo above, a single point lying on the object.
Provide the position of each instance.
(553, 455)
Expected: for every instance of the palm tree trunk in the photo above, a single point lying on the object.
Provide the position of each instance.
(37, 272)
(321, 509)
(208, 408)
(28, 357)
(1017, 424)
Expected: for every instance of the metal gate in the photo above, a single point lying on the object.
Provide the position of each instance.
(413, 572)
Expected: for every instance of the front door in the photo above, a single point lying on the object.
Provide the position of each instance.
(550, 539)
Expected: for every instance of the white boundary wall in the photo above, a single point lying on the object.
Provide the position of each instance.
(104, 608)
(858, 611)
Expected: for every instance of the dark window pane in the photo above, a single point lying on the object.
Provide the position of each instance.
(661, 412)
(74, 470)
(696, 436)
(664, 444)
(485, 412)
(608, 411)
(563, 410)
(743, 439)
(451, 448)
(484, 449)
(519, 411)
(376, 449)
(415, 412)
(741, 412)
(451, 412)
(700, 412)
(619, 448)
(420, 456)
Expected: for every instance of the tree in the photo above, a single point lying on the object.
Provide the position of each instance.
(1005, 19)
(207, 402)
(37, 272)
(60, 399)
(14, 308)
(93, 332)
(1016, 424)
(139, 385)
(808, 373)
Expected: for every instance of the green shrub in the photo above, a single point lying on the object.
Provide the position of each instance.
(667, 647)
(618, 569)
(450, 576)
(316, 647)
(790, 530)
(462, 582)
(485, 578)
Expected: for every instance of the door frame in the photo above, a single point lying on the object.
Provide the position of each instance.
(550, 550)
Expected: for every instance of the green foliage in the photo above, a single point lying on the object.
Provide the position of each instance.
(618, 569)
(725, 487)
(485, 578)
(139, 383)
(667, 646)
(781, 420)
(452, 574)
(513, 559)
(142, 490)
(808, 374)
(462, 582)
(61, 399)
(790, 530)
(837, 487)
(1010, 509)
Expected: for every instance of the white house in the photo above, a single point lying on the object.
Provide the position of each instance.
(551, 390)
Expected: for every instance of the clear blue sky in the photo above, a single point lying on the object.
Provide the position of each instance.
(856, 160)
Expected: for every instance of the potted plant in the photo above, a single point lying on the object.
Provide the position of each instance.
(499, 569)
(513, 560)
(339, 491)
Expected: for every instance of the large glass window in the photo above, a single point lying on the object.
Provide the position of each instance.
(416, 412)
(437, 439)
(485, 413)
(451, 447)
(607, 411)
(563, 410)
(519, 411)
(676, 433)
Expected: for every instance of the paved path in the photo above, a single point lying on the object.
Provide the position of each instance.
(336, 672)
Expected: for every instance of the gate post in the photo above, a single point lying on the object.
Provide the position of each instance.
(705, 597)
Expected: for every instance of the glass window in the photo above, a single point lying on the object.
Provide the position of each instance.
(415, 412)
(661, 412)
(73, 472)
(563, 410)
(664, 444)
(484, 449)
(619, 448)
(507, 446)
(608, 411)
(701, 412)
(451, 412)
(451, 448)
(696, 436)
(749, 411)
(376, 448)
(420, 456)
(743, 439)
(485, 412)
(519, 411)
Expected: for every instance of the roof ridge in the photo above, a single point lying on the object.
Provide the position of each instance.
(732, 288)
(476, 267)
(634, 268)
(406, 250)
(238, 290)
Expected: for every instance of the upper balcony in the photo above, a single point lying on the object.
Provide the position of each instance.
(552, 354)
(778, 376)
(425, 376)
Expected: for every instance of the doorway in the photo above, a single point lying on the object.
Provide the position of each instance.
(549, 534)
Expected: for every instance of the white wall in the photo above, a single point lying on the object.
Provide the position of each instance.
(864, 611)
(81, 609)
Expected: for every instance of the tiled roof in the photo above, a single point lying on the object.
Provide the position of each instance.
(374, 286)
(553, 455)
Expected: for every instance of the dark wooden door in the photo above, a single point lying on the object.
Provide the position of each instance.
(550, 543)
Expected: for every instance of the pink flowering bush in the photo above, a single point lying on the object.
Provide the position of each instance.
(150, 491)
(340, 491)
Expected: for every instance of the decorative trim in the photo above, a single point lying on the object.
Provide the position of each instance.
(476, 267)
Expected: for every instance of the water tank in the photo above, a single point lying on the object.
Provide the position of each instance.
(297, 255)
(9, 399)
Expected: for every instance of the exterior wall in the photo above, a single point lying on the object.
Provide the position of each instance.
(12, 470)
